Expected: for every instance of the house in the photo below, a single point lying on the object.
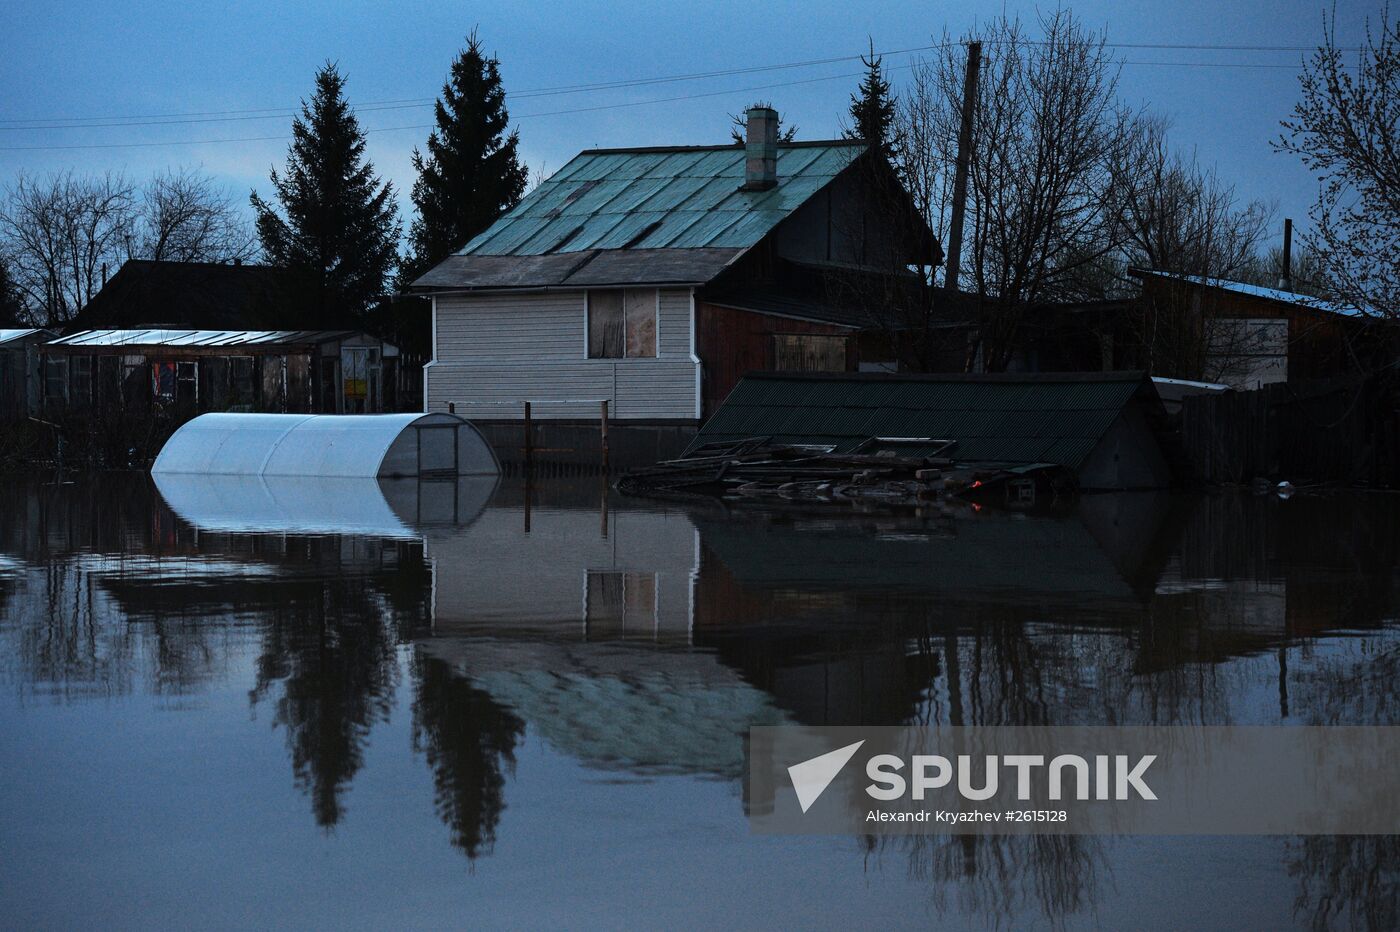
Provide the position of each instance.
(1107, 428)
(237, 296)
(1254, 336)
(20, 371)
(653, 278)
(190, 371)
(193, 296)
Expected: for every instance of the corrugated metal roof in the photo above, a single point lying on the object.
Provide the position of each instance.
(673, 198)
(1259, 291)
(8, 334)
(1013, 418)
(196, 337)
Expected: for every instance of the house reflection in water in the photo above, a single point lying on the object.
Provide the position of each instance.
(645, 638)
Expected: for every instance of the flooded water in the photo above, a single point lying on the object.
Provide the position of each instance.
(481, 706)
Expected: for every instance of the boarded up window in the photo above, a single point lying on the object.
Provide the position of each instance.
(641, 323)
(805, 352)
(622, 324)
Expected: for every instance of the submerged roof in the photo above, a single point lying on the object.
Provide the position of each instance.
(1008, 418)
(198, 337)
(1259, 291)
(679, 211)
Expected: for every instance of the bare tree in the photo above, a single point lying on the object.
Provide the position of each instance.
(1048, 131)
(1171, 215)
(186, 217)
(62, 232)
(1175, 216)
(1344, 130)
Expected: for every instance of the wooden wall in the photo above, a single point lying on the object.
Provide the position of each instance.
(731, 343)
(1342, 430)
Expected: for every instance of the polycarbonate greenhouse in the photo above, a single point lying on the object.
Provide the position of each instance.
(369, 446)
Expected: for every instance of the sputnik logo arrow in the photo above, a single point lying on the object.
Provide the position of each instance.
(811, 777)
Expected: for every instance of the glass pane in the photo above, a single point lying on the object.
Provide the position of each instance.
(354, 368)
(605, 325)
(641, 323)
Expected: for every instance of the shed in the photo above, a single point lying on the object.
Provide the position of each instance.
(1255, 336)
(20, 371)
(1108, 428)
(326, 445)
(320, 371)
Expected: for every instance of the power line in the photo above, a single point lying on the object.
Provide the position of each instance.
(567, 111)
(217, 116)
(391, 129)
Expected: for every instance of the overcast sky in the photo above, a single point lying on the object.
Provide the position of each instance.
(64, 60)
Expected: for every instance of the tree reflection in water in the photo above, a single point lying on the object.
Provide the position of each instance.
(469, 742)
(1129, 611)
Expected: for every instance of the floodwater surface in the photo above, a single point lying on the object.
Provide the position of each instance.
(480, 705)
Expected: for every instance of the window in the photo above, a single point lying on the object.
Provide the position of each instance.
(622, 324)
(240, 383)
(80, 380)
(173, 382)
(804, 352)
(56, 379)
(163, 381)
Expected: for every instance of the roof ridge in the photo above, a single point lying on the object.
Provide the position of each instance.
(734, 146)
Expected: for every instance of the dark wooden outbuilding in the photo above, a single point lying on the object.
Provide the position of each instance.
(313, 371)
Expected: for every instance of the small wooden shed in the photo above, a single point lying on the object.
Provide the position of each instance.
(20, 385)
(310, 371)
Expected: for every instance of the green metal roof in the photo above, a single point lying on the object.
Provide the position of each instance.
(686, 198)
(1012, 418)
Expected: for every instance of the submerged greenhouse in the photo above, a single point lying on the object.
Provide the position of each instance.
(370, 446)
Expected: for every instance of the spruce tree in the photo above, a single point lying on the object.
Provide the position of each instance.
(339, 228)
(472, 172)
(873, 108)
(12, 313)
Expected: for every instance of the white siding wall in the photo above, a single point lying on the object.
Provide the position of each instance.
(494, 352)
(490, 573)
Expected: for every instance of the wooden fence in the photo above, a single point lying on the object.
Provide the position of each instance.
(1344, 430)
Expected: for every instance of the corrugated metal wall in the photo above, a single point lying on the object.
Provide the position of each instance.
(495, 352)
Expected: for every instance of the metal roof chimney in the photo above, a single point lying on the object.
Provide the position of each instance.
(761, 149)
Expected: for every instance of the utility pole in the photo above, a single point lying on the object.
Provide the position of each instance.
(955, 225)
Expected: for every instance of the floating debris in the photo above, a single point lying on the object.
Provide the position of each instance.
(754, 468)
